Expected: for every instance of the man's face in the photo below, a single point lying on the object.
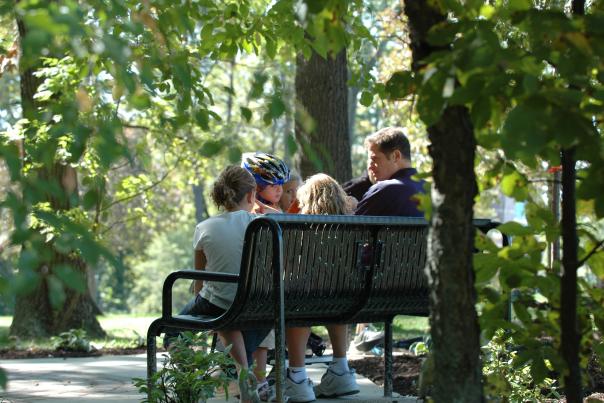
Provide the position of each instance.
(379, 166)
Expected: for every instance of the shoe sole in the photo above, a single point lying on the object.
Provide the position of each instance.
(352, 392)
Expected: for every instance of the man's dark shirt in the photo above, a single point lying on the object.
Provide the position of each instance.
(393, 197)
(357, 187)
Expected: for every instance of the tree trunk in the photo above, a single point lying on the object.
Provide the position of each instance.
(201, 210)
(569, 325)
(453, 320)
(322, 116)
(34, 314)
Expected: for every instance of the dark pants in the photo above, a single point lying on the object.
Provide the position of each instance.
(201, 306)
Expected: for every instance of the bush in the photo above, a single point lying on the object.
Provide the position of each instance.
(73, 340)
(189, 374)
(508, 380)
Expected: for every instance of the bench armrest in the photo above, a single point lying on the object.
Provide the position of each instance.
(190, 275)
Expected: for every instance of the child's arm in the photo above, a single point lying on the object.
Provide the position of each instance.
(200, 262)
(261, 208)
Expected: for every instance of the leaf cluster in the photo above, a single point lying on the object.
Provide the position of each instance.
(189, 372)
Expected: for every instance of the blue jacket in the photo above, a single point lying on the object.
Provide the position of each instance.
(393, 196)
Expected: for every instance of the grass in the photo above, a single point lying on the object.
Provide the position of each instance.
(122, 331)
(130, 331)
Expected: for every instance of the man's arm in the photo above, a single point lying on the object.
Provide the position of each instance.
(200, 262)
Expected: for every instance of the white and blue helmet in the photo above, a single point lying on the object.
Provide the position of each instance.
(265, 168)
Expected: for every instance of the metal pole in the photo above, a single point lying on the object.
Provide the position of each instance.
(279, 311)
(388, 358)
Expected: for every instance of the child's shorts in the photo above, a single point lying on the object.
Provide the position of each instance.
(269, 340)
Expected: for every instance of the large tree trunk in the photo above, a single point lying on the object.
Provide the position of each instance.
(34, 314)
(569, 324)
(322, 116)
(453, 320)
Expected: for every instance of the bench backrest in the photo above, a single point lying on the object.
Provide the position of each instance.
(337, 269)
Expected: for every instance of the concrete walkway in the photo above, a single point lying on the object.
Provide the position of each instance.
(109, 379)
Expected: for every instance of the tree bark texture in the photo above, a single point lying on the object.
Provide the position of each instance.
(454, 321)
(570, 333)
(569, 324)
(34, 315)
(322, 115)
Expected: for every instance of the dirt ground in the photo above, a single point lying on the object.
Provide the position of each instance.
(405, 369)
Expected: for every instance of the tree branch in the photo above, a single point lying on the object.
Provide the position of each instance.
(140, 192)
(591, 253)
(110, 227)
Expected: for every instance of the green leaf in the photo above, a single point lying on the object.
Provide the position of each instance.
(431, 103)
(366, 98)
(234, 154)
(271, 48)
(56, 292)
(246, 113)
(292, 145)
(91, 199)
(3, 379)
(71, 277)
(515, 185)
(400, 85)
(519, 5)
(443, 33)
(486, 267)
(527, 130)
(211, 147)
(276, 107)
(538, 370)
(513, 228)
(202, 118)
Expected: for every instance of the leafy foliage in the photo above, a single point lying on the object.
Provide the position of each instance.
(509, 379)
(73, 340)
(189, 373)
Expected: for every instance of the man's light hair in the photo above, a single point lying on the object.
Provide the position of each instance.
(389, 139)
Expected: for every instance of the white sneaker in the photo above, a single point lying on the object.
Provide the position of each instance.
(299, 392)
(334, 385)
(267, 393)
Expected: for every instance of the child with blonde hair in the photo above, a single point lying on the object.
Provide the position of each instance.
(320, 194)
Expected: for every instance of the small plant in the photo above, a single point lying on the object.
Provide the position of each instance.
(507, 381)
(421, 347)
(190, 373)
(73, 340)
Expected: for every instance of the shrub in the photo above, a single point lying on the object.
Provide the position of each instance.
(190, 373)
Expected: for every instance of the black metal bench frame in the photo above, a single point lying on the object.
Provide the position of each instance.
(372, 265)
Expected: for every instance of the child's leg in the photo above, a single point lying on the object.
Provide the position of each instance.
(260, 357)
(235, 338)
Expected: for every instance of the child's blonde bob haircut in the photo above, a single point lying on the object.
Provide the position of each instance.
(322, 194)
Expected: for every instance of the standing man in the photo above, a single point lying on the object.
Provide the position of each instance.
(389, 168)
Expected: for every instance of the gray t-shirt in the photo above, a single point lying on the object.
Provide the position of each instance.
(221, 239)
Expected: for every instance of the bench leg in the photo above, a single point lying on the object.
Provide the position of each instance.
(388, 358)
(154, 331)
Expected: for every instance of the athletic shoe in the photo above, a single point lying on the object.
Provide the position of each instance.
(334, 385)
(267, 393)
(299, 392)
(368, 339)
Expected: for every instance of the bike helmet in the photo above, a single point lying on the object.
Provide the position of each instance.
(266, 168)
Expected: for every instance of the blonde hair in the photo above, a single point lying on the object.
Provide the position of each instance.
(322, 194)
(231, 186)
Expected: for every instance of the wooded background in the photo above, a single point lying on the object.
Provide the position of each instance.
(116, 116)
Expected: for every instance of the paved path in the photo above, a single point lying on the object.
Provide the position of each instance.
(109, 379)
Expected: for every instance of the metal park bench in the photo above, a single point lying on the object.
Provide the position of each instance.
(302, 270)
